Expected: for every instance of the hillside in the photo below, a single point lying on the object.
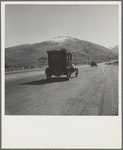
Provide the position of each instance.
(29, 54)
(114, 51)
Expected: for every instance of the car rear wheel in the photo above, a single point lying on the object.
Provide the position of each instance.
(69, 74)
(48, 76)
(76, 73)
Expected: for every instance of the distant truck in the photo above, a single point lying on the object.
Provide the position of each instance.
(93, 63)
(60, 63)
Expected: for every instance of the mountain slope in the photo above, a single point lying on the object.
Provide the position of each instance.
(114, 52)
(30, 54)
(114, 49)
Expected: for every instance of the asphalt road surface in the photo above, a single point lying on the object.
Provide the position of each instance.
(93, 92)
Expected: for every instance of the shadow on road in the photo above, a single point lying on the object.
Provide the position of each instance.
(45, 81)
(73, 77)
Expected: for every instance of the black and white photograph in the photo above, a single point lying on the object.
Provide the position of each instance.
(61, 60)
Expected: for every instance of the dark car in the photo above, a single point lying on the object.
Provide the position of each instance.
(60, 63)
(93, 63)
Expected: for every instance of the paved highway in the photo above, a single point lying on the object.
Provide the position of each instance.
(93, 92)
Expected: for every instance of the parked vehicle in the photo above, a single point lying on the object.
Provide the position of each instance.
(93, 63)
(60, 63)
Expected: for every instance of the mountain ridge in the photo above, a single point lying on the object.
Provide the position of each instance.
(30, 54)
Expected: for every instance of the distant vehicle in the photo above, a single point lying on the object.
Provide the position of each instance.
(60, 63)
(93, 63)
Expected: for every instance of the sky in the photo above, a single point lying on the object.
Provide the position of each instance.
(28, 24)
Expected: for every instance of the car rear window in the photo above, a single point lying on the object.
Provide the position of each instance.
(55, 56)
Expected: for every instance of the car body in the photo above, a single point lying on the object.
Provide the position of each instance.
(60, 62)
(93, 63)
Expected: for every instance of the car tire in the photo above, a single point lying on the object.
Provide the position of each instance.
(48, 76)
(69, 74)
(76, 73)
